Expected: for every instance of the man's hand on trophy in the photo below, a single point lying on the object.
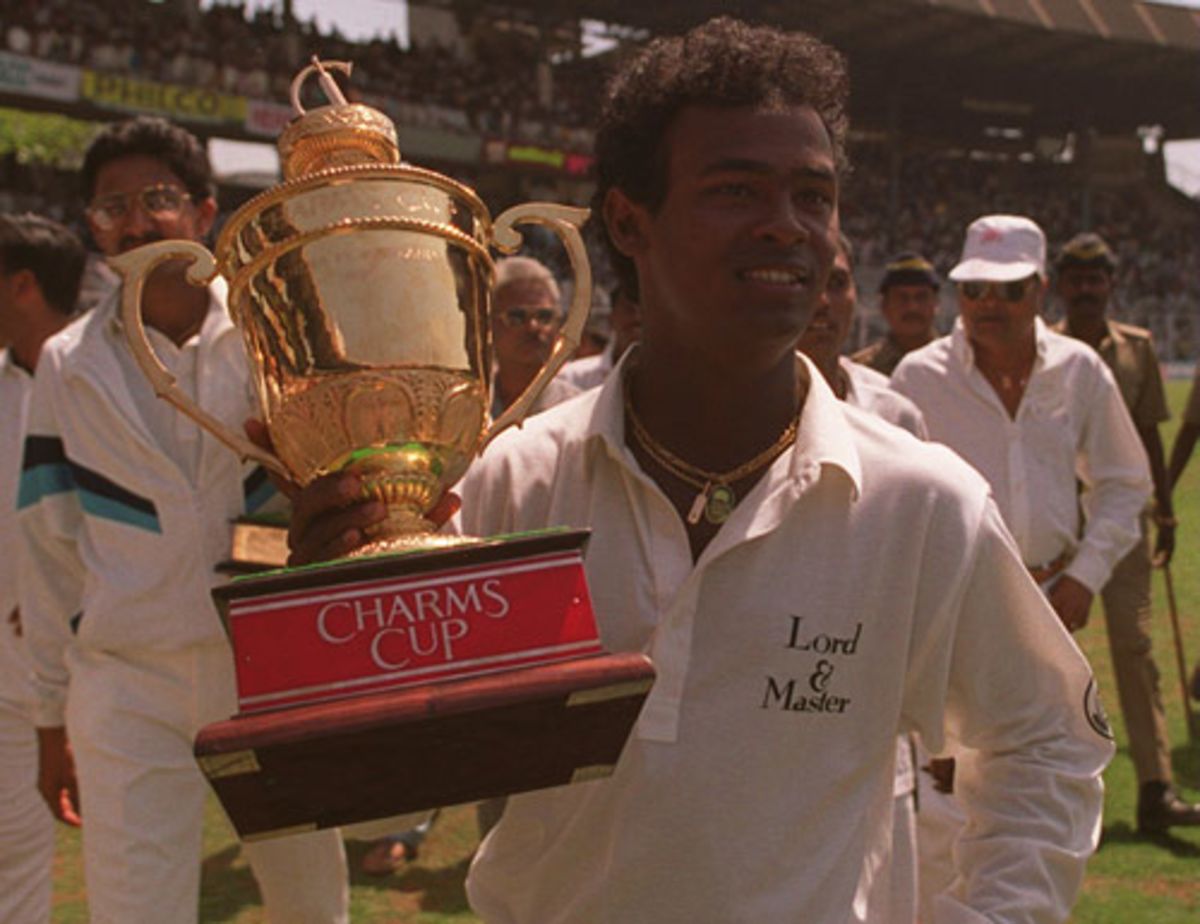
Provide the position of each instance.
(330, 516)
(330, 519)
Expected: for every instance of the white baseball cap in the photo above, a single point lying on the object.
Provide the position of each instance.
(1001, 248)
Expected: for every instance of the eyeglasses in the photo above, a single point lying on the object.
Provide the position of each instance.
(1005, 291)
(519, 317)
(160, 201)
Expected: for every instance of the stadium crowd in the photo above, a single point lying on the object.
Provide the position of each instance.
(938, 195)
(504, 85)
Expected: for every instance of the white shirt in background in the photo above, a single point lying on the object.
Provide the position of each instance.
(591, 370)
(15, 387)
(870, 390)
(1071, 424)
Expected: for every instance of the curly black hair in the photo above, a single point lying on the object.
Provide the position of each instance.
(50, 251)
(724, 62)
(150, 136)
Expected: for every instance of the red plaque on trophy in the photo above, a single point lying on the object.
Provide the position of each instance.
(398, 622)
(414, 681)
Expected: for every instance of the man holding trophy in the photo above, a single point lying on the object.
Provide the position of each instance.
(809, 582)
(125, 509)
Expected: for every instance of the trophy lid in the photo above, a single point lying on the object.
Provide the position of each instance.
(337, 135)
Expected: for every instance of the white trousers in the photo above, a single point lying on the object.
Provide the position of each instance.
(940, 819)
(26, 825)
(131, 721)
(902, 904)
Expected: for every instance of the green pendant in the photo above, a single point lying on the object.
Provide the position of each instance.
(720, 504)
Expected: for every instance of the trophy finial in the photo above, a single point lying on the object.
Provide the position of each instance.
(333, 92)
(339, 134)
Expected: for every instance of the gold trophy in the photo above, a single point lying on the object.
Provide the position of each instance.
(425, 670)
(362, 287)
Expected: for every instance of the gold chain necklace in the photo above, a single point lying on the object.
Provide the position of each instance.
(716, 499)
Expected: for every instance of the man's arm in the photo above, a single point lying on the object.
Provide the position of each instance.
(1181, 452)
(1189, 431)
(1164, 512)
(50, 585)
(1019, 700)
(56, 775)
(1113, 468)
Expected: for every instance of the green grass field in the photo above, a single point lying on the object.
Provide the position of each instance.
(1131, 879)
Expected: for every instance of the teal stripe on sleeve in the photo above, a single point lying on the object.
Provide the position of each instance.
(41, 481)
(106, 508)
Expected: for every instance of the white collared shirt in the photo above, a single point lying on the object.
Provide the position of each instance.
(177, 435)
(590, 371)
(1071, 424)
(120, 536)
(864, 587)
(15, 387)
(869, 390)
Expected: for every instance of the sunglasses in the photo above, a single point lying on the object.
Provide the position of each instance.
(161, 201)
(519, 317)
(1005, 291)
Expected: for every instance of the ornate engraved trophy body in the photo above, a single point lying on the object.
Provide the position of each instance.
(362, 288)
(456, 669)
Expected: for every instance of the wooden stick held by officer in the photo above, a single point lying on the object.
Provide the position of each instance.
(1085, 270)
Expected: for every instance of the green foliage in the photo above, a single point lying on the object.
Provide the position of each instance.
(43, 137)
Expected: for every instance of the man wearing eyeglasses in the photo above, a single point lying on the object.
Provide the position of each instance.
(125, 508)
(527, 313)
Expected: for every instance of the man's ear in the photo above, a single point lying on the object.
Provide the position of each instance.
(625, 221)
(24, 285)
(206, 214)
(1043, 291)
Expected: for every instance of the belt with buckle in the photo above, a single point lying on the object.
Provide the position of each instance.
(1042, 573)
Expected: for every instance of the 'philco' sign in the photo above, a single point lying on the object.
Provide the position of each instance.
(189, 104)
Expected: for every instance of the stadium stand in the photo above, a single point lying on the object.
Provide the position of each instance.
(954, 112)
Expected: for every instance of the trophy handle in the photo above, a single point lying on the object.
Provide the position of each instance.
(564, 221)
(135, 266)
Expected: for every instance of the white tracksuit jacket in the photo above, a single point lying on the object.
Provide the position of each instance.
(112, 525)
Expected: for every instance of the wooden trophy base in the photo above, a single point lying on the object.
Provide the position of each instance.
(446, 743)
(380, 686)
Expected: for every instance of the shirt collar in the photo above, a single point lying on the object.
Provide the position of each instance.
(823, 440)
(844, 366)
(1113, 335)
(9, 365)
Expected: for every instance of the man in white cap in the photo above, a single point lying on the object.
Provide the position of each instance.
(1037, 414)
(1033, 411)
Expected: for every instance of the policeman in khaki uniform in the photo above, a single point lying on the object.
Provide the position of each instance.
(1085, 268)
(1181, 453)
(908, 299)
